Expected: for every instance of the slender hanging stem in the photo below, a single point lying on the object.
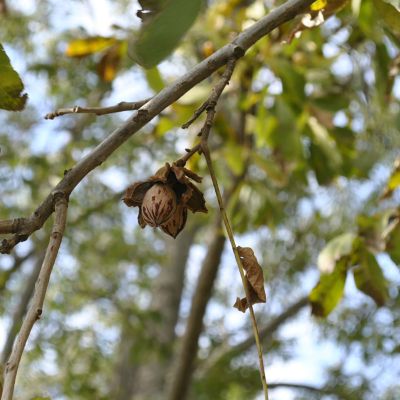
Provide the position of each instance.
(229, 232)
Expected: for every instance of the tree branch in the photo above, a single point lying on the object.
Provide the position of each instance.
(122, 106)
(216, 93)
(35, 310)
(24, 227)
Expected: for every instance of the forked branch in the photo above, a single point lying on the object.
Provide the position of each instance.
(209, 107)
(122, 106)
(35, 309)
(24, 227)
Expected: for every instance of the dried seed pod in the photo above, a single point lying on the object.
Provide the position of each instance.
(159, 205)
(164, 198)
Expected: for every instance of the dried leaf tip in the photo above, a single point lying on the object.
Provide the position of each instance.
(254, 278)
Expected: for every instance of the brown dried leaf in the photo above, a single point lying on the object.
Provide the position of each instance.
(255, 279)
(135, 193)
(196, 202)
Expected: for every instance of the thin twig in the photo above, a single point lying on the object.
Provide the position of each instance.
(211, 104)
(229, 231)
(122, 106)
(196, 115)
(35, 309)
(189, 153)
(159, 102)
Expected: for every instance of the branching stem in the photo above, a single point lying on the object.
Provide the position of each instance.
(210, 108)
(35, 309)
(229, 232)
(122, 106)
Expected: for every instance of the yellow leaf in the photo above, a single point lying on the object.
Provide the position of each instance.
(109, 64)
(318, 5)
(85, 47)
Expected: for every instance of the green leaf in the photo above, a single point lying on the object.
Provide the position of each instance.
(160, 34)
(394, 180)
(325, 157)
(154, 79)
(376, 228)
(389, 14)
(393, 243)
(11, 85)
(329, 290)
(339, 247)
(369, 278)
(234, 156)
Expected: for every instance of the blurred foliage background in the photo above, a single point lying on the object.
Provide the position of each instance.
(305, 141)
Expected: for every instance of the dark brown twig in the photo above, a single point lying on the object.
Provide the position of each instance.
(122, 106)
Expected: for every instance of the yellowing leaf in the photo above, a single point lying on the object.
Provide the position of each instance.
(329, 290)
(255, 279)
(339, 247)
(109, 64)
(318, 5)
(389, 14)
(394, 180)
(11, 85)
(85, 47)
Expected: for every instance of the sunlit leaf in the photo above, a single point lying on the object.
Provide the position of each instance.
(161, 33)
(376, 229)
(11, 86)
(340, 246)
(318, 5)
(369, 278)
(329, 290)
(154, 79)
(394, 180)
(87, 46)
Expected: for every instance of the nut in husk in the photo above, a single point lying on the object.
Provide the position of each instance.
(164, 198)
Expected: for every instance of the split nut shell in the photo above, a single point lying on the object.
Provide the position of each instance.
(159, 204)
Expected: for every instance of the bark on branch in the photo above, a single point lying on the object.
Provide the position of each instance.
(22, 228)
(35, 309)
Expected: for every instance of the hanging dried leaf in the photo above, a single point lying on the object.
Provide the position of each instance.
(254, 277)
